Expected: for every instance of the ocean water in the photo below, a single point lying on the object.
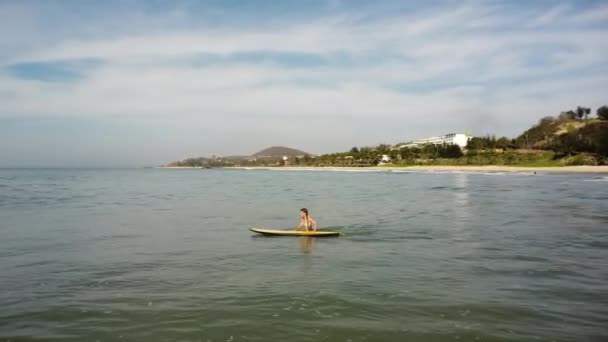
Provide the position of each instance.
(166, 255)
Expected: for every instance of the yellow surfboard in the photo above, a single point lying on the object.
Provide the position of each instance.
(293, 232)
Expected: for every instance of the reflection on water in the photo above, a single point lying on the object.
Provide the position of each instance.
(307, 244)
(461, 196)
(461, 211)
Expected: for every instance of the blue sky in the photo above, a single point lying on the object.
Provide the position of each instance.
(114, 83)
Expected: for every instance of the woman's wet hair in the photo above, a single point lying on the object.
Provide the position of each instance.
(305, 211)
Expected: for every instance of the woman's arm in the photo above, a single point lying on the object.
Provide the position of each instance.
(314, 225)
(299, 226)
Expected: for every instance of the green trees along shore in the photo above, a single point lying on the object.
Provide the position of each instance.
(570, 138)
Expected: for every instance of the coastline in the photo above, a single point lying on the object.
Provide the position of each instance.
(438, 168)
(178, 167)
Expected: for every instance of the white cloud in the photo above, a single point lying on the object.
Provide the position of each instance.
(594, 14)
(554, 14)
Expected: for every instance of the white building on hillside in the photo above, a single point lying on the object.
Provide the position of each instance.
(448, 139)
(384, 159)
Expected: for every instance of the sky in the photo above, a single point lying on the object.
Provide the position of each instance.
(140, 83)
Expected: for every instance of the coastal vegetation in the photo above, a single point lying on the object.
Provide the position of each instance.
(570, 138)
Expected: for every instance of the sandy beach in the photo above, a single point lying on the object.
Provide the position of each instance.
(442, 168)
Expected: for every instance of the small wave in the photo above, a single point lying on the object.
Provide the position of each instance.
(512, 222)
(493, 173)
(353, 170)
(447, 188)
(598, 244)
(528, 258)
(116, 236)
(315, 169)
(600, 179)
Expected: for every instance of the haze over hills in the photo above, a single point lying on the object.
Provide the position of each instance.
(279, 151)
(270, 153)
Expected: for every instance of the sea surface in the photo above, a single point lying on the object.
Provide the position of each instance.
(166, 255)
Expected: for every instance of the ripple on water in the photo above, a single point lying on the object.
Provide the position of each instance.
(517, 259)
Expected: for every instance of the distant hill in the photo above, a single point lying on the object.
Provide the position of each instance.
(279, 151)
(268, 155)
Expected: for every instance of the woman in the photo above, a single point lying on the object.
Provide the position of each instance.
(307, 222)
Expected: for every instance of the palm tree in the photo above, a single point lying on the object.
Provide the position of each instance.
(602, 113)
(580, 112)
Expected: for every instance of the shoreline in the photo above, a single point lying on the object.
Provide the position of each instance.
(441, 168)
(423, 168)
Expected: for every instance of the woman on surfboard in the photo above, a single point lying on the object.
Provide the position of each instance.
(307, 222)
